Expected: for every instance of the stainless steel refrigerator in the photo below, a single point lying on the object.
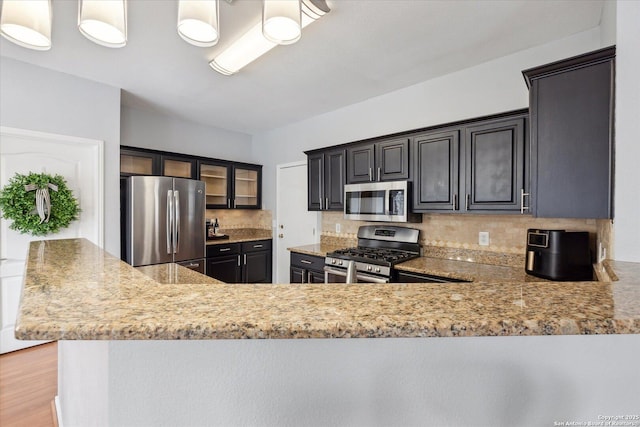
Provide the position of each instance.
(165, 221)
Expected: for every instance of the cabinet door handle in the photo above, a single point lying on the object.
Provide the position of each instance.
(522, 196)
(455, 202)
(245, 259)
(320, 197)
(238, 260)
(378, 174)
(308, 277)
(467, 203)
(303, 274)
(326, 203)
(370, 175)
(225, 249)
(304, 261)
(229, 203)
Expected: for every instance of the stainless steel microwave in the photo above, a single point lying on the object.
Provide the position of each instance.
(379, 201)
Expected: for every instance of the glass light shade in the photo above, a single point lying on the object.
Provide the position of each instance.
(27, 23)
(281, 21)
(104, 21)
(198, 22)
(253, 45)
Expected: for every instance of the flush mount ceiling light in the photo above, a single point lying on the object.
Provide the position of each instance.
(253, 44)
(281, 21)
(104, 21)
(198, 22)
(27, 23)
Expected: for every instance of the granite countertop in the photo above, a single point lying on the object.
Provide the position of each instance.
(174, 274)
(75, 291)
(463, 270)
(242, 235)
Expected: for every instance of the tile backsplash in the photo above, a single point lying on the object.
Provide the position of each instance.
(232, 219)
(507, 233)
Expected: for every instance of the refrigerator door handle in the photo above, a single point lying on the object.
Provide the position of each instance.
(169, 219)
(176, 225)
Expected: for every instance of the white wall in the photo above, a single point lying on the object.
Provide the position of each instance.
(145, 129)
(482, 381)
(627, 179)
(493, 87)
(36, 98)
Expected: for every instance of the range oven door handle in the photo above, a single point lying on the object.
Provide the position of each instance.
(362, 277)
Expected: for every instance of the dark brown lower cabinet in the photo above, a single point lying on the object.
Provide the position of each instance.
(247, 262)
(306, 268)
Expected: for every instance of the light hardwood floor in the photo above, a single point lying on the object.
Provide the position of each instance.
(28, 384)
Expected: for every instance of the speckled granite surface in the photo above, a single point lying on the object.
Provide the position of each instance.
(174, 274)
(74, 290)
(453, 269)
(242, 235)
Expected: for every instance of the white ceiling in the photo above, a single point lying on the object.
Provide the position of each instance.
(361, 49)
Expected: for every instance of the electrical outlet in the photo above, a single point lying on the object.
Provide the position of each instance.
(338, 227)
(483, 238)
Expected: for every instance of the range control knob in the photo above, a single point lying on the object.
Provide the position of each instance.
(333, 261)
(340, 263)
(377, 269)
(369, 268)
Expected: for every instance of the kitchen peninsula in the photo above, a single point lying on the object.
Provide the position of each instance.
(75, 291)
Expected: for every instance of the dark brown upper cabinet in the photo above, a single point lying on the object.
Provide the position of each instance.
(571, 104)
(478, 166)
(436, 170)
(494, 165)
(386, 160)
(229, 185)
(178, 166)
(326, 175)
(137, 162)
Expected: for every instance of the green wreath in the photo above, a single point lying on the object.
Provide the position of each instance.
(38, 203)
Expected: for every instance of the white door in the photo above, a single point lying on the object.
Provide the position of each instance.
(80, 162)
(296, 226)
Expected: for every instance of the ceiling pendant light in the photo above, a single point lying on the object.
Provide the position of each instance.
(252, 44)
(103, 21)
(281, 21)
(27, 23)
(198, 22)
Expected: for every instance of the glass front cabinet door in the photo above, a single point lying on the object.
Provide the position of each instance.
(138, 163)
(217, 184)
(246, 187)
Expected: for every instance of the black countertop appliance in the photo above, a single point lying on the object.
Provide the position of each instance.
(559, 255)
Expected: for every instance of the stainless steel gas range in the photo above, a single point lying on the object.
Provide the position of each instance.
(380, 247)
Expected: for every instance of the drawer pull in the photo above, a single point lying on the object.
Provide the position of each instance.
(304, 261)
(225, 249)
(257, 246)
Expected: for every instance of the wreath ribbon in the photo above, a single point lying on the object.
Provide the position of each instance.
(43, 200)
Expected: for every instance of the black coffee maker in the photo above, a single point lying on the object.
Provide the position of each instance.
(559, 255)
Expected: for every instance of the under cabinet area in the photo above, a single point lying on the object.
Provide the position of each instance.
(242, 262)
(306, 268)
(572, 136)
(386, 160)
(326, 176)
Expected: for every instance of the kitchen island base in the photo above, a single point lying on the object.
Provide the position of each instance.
(465, 381)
